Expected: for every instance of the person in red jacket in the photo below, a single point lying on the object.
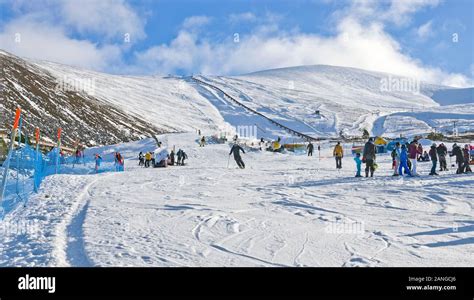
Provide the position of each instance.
(414, 150)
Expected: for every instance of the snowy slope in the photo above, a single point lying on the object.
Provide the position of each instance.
(48, 105)
(423, 121)
(348, 99)
(282, 210)
(169, 103)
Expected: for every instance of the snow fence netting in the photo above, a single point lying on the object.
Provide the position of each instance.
(26, 166)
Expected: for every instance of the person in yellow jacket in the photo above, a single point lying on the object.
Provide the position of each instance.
(338, 153)
(147, 159)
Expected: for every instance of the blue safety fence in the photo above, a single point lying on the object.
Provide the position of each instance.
(28, 166)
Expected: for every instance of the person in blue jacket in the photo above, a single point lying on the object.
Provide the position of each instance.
(358, 164)
(404, 162)
(98, 160)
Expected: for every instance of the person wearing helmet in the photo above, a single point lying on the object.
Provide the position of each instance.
(434, 159)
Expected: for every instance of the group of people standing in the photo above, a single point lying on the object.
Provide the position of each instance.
(368, 157)
(170, 159)
(405, 158)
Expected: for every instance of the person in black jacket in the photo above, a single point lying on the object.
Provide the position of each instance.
(467, 158)
(236, 150)
(442, 153)
(459, 158)
(310, 148)
(434, 159)
(368, 157)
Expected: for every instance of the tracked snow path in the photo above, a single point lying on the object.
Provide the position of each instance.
(282, 210)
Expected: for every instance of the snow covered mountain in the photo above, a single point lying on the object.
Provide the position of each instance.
(320, 101)
(50, 102)
(349, 100)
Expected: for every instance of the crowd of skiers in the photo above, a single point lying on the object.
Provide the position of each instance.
(405, 158)
(167, 159)
(80, 158)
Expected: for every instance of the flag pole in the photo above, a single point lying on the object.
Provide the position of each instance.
(9, 155)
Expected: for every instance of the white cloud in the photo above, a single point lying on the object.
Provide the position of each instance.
(365, 46)
(110, 18)
(398, 12)
(242, 17)
(195, 22)
(425, 30)
(46, 28)
(42, 41)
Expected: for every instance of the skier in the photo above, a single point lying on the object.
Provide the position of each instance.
(141, 159)
(119, 162)
(358, 164)
(404, 162)
(235, 149)
(98, 160)
(183, 157)
(413, 152)
(396, 158)
(368, 157)
(77, 158)
(459, 158)
(147, 159)
(467, 158)
(338, 153)
(434, 159)
(261, 143)
(172, 157)
(179, 154)
(310, 148)
(203, 142)
(199, 132)
(442, 152)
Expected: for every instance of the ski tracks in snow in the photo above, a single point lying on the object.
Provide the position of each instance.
(69, 243)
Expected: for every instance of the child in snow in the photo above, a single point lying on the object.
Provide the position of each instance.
(396, 158)
(358, 164)
(119, 162)
(98, 160)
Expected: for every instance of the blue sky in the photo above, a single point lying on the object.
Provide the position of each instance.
(427, 39)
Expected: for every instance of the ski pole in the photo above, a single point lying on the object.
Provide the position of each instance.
(228, 160)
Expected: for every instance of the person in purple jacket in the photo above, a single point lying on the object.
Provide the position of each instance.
(413, 151)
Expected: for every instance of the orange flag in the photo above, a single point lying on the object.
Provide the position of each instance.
(37, 135)
(17, 118)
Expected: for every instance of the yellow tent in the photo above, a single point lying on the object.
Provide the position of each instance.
(380, 141)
